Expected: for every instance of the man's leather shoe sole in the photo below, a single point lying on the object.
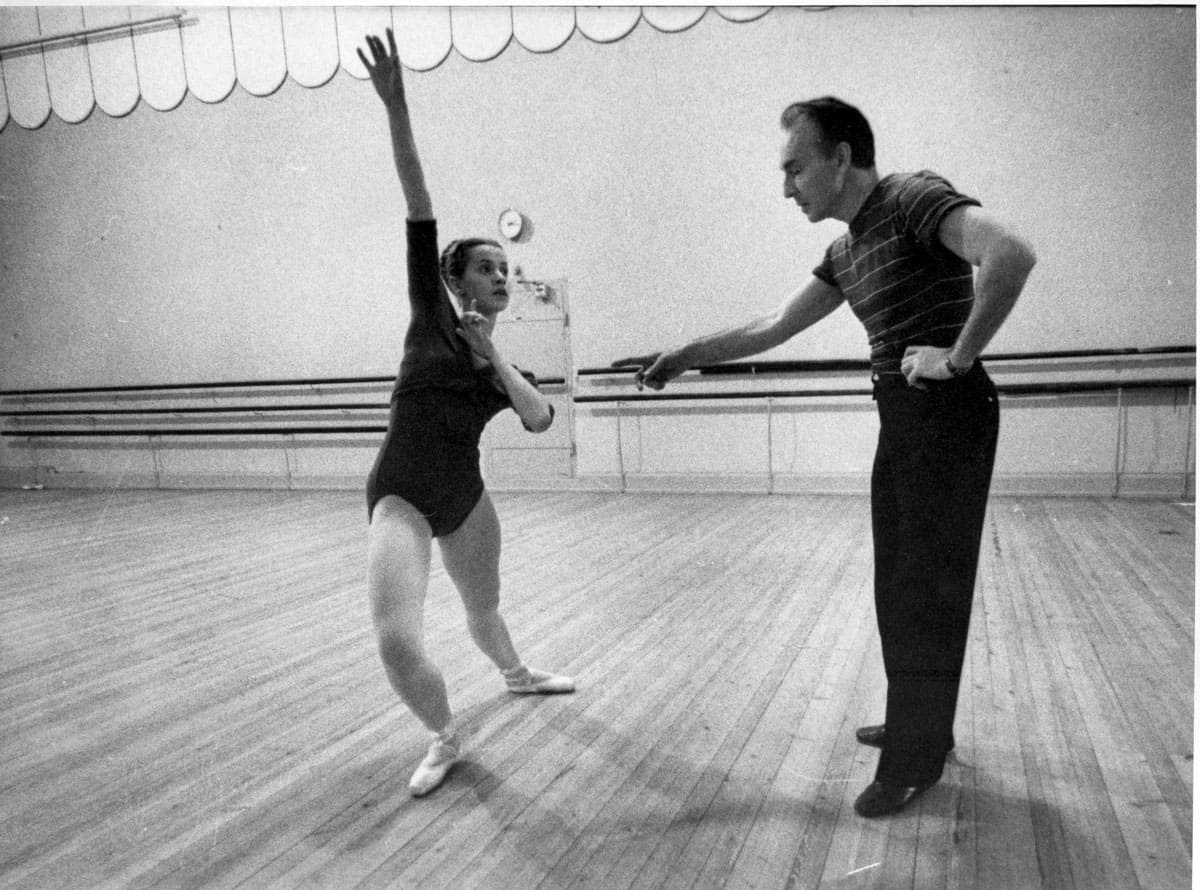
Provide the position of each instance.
(882, 800)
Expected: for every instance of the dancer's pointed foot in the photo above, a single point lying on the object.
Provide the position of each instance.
(527, 681)
(442, 755)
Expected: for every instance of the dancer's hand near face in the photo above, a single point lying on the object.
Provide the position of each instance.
(476, 330)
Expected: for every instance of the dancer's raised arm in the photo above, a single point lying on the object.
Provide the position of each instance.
(386, 75)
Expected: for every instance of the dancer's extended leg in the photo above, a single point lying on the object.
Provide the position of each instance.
(471, 555)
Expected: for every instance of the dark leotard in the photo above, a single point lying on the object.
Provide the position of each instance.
(440, 403)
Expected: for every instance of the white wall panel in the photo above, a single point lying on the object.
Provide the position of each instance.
(68, 74)
(542, 29)
(604, 24)
(258, 55)
(354, 23)
(113, 66)
(721, 438)
(673, 18)
(1156, 435)
(310, 34)
(328, 462)
(24, 72)
(1057, 434)
(160, 69)
(742, 13)
(481, 32)
(423, 36)
(116, 462)
(208, 54)
(222, 462)
(824, 436)
(597, 442)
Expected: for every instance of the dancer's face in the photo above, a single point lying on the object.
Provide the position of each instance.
(812, 179)
(484, 281)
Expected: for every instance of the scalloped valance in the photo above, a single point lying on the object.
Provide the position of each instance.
(70, 59)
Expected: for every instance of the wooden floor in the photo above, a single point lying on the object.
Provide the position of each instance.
(190, 697)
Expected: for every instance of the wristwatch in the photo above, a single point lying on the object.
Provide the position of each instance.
(956, 371)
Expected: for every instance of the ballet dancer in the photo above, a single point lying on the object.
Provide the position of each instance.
(426, 483)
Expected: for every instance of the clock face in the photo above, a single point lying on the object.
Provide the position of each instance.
(511, 224)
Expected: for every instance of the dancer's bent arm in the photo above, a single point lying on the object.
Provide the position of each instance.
(531, 406)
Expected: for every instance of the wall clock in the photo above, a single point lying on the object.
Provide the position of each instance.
(512, 224)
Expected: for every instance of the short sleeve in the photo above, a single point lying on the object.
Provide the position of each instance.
(825, 271)
(923, 202)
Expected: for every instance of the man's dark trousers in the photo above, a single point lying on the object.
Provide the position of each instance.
(929, 490)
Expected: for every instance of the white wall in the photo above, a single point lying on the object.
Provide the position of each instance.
(262, 238)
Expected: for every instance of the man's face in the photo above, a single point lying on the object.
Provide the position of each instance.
(810, 178)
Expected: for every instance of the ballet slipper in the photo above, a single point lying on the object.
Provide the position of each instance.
(526, 681)
(442, 755)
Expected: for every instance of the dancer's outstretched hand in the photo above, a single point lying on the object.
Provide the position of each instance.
(653, 370)
(385, 69)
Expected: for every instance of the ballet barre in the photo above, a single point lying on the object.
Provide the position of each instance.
(275, 407)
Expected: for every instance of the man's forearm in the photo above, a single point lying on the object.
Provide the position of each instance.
(749, 339)
(999, 283)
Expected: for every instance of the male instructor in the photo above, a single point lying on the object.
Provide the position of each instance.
(932, 277)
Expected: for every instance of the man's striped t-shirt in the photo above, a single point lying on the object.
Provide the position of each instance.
(905, 286)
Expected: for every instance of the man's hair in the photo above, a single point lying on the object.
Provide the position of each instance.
(457, 253)
(838, 122)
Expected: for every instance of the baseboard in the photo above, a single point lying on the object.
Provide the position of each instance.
(599, 482)
(834, 483)
(17, 477)
(1157, 486)
(1053, 484)
(253, 481)
(84, 479)
(328, 481)
(531, 483)
(702, 483)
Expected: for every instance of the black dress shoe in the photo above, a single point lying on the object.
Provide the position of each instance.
(871, 735)
(883, 800)
(876, 736)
